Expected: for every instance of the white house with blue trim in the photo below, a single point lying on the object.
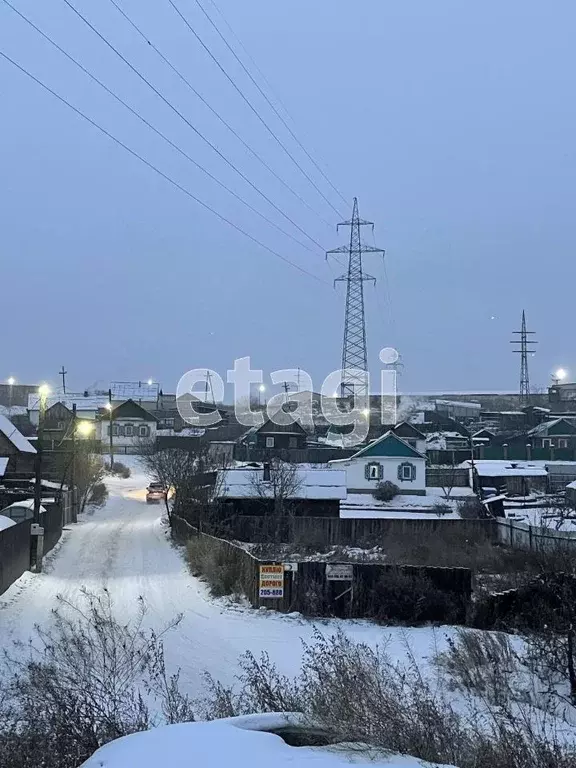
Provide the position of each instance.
(387, 458)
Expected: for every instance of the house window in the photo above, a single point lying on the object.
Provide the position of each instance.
(562, 442)
(546, 442)
(293, 442)
(269, 442)
(129, 430)
(406, 472)
(169, 422)
(143, 431)
(373, 471)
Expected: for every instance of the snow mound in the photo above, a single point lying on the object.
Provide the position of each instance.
(239, 742)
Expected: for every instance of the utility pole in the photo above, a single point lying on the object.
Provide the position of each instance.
(525, 346)
(110, 410)
(354, 352)
(73, 468)
(63, 373)
(209, 387)
(37, 532)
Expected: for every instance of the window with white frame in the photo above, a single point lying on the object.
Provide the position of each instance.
(406, 472)
(129, 430)
(546, 442)
(562, 442)
(143, 431)
(269, 442)
(373, 471)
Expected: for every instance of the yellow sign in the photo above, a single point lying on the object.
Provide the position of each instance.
(271, 581)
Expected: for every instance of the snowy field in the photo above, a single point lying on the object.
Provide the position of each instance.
(125, 547)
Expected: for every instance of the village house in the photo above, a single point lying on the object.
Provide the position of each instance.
(254, 490)
(514, 478)
(17, 453)
(387, 458)
(276, 437)
(557, 433)
(132, 424)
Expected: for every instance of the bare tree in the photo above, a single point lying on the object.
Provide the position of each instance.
(85, 470)
(279, 483)
(447, 479)
(173, 468)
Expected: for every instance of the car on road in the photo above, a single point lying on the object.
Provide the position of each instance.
(155, 493)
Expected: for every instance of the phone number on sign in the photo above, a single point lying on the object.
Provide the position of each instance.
(266, 592)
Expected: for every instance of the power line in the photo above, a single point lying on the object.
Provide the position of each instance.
(249, 103)
(176, 111)
(272, 106)
(156, 169)
(153, 128)
(219, 116)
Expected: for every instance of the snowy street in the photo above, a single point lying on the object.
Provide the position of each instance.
(125, 547)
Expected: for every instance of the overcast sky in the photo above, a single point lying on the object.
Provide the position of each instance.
(452, 122)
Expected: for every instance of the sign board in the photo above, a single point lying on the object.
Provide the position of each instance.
(271, 581)
(339, 571)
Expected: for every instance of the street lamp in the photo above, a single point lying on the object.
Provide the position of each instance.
(261, 389)
(11, 381)
(561, 374)
(150, 382)
(85, 428)
(109, 408)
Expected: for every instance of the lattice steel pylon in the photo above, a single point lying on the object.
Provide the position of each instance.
(354, 351)
(525, 346)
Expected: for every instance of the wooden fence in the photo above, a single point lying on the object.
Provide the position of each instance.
(372, 591)
(329, 531)
(532, 538)
(15, 544)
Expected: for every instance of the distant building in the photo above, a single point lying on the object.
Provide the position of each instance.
(558, 433)
(131, 425)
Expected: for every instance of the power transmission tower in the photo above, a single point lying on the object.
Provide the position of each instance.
(354, 353)
(525, 346)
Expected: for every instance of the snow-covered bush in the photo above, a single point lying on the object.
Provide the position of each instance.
(360, 695)
(386, 491)
(88, 678)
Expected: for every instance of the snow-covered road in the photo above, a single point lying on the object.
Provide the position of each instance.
(125, 547)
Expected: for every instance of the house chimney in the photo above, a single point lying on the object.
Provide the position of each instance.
(266, 475)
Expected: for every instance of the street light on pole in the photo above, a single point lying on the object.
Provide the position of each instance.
(11, 382)
(111, 413)
(261, 389)
(36, 555)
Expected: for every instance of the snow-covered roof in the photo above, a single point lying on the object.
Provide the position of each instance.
(246, 482)
(26, 504)
(16, 437)
(90, 403)
(3, 465)
(6, 522)
(499, 468)
(572, 484)
(134, 390)
(239, 742)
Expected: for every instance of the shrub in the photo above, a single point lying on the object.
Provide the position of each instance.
(386, 491)
(88, 678)
(118, 469)
(98, 495)
(217, 563)
(440, 508)
(471, 509)
(359, 695)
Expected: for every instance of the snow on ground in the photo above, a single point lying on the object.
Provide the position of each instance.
(125, 547)
(234, 742)
(403, 506)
